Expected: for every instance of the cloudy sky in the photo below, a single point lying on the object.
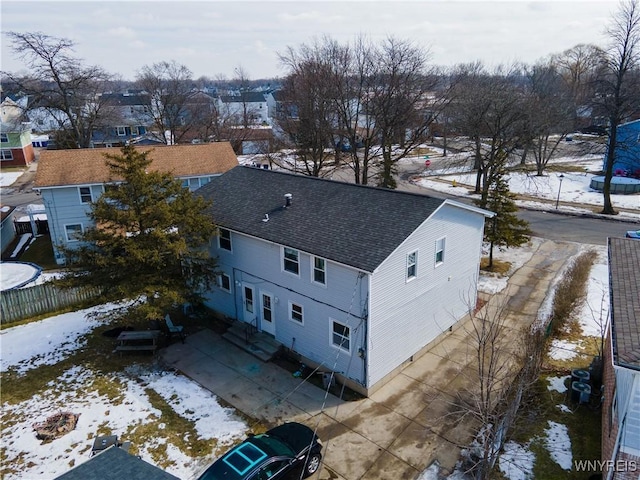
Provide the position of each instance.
(213, 38)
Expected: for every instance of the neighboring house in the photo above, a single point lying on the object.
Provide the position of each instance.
(356, 279)
(621, 377)
(69, 180)
(116, 463)
(248, 107)
(627, 161)
(251, 141)
(16, 149)
(127, 118)
(7, 232)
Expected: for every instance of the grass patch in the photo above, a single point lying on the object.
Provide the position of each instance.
(583, 424)
(40, 252)
(500, 267)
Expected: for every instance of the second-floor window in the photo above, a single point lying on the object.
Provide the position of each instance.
(440, 243)
(319, 270)
(85, 194)
(291, 260)
(412, 265)
(224, 239)
(4, 138)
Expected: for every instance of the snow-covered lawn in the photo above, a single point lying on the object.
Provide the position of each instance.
(128, 409)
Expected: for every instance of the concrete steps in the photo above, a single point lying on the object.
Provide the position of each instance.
(258, 344)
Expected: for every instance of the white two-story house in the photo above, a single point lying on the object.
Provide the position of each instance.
(354, 279)
(69, 180)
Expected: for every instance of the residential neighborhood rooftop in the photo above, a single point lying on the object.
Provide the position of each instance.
(624, 259)
(355, 225)
(87, 165)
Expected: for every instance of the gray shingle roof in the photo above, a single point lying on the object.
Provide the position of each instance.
(351, 224)
(624, 278)
(116, 464)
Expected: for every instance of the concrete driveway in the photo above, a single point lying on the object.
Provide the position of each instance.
(401, 429)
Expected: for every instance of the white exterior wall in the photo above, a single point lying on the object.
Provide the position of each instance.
(628, 409)
(259, 264)
(407, 315)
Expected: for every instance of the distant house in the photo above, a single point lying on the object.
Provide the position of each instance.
(247, 107)
(621, 378)
(69, 180)
(126, 117)
(355, 279)
(16, 149)
(627, 159)
(7, 231)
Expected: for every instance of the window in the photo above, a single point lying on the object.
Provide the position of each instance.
(319, 271)
(224, 239)
(4, 138)
(291, 263)
(85, 194)
(224, 282)
(185, 183)
(6, 155)
(341, 336)
(121, 131)
(267, 311)
(412, 265)
(135, 131)
(439, 251)
(296, 313)
(73, 232)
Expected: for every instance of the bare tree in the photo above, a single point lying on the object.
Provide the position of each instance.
(169, 86)
(60, 84)
(309, 119)
(618, 83)
(506, 369)
(549, 113)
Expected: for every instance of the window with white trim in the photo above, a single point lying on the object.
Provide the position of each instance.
(73, 232)
(440, 243)
(224, 239)
(135, 131)
(341, 336)
(224, 282)
(291, 261)
(4, 138)
(85, 194)
(296, 312)
(412, 265)
(319, 270)
(6, 155)
(121, 131)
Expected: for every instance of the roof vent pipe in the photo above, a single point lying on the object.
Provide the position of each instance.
(287, 199)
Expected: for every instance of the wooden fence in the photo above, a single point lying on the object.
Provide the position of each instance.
(23, 303)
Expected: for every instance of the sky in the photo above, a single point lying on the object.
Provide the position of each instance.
(214, 38)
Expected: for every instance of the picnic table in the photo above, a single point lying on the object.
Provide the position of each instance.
(138, 340)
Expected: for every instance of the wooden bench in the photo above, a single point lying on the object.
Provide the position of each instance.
(133, 348)
(138, 341)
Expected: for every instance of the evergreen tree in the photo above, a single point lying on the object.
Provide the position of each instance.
(505, 229)
(149, 240)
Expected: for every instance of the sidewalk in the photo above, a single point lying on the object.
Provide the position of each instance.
(402, 428)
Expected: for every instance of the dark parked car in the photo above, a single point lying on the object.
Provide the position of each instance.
(283, 451)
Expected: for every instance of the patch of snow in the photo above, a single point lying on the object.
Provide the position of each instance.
(8, 178)
(562, 349)
(564, 409)
(516, 462)
(24, 238)
(558, 444)
(557, 383)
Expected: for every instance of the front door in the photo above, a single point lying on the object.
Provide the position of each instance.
(249, 304)
(267, 324)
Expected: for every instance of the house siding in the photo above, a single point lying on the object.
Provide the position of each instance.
(407, 315)
(258, 263)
